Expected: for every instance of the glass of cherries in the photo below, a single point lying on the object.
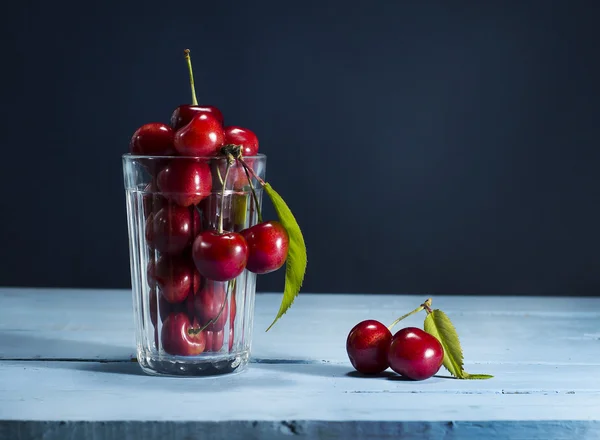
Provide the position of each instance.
(197, 240)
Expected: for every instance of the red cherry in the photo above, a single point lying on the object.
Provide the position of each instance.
(220, 257)
(214, 340)
(176, 277)
(172, 228)
(208, 303)
(185, 113)
(415, 354)
(186, 182)
(202, 136)
(153, 139)
(268, 245)
(178, 336)
(367, 346)
(244, 137)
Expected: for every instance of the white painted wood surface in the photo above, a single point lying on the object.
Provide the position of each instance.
(66, 372)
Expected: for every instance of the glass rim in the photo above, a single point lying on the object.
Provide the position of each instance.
(137, 156)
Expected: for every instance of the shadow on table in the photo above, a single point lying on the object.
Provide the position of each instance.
(129, 368)
(309, 367)
(39, 347)
(188, 384)
(327, 369)
(386, 374)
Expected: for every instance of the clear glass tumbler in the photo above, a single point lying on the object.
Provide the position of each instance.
(186, 324)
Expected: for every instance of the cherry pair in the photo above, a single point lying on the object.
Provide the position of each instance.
(261, 249)
(411, 352)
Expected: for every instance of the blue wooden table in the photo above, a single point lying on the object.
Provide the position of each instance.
(68, 371)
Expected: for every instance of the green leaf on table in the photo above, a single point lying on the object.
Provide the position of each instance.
(439, 325)
(478, 376)
(295, 266)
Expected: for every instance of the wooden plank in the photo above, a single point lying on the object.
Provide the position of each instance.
(98, 325)
(311, 400)
(302, 429)
(119, 391)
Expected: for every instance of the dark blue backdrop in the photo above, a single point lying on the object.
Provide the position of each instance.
(425, 146)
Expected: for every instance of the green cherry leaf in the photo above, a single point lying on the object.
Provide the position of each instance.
(439, 325)
(295, 266)
(478, 376)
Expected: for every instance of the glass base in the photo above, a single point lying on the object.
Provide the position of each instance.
(157, 365)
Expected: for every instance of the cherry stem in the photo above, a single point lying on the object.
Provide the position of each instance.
(221, 214)
(219, 176)
(254, 196)
(189, 64)
(246, 167)
(230, 287)
(425, 306)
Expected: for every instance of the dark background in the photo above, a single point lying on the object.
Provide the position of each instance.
(424, 146)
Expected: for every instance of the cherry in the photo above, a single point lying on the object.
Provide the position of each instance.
(179, 337)
(268, 245)
(186, 182)
(208, 303)
(214, 340)
(220, 256)
(202, 136)
(172, 228)
(367, 346)
(176, 277)
(244, 137)
(153, 139)
(199, 129)
(185, 113)
(415, 354)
